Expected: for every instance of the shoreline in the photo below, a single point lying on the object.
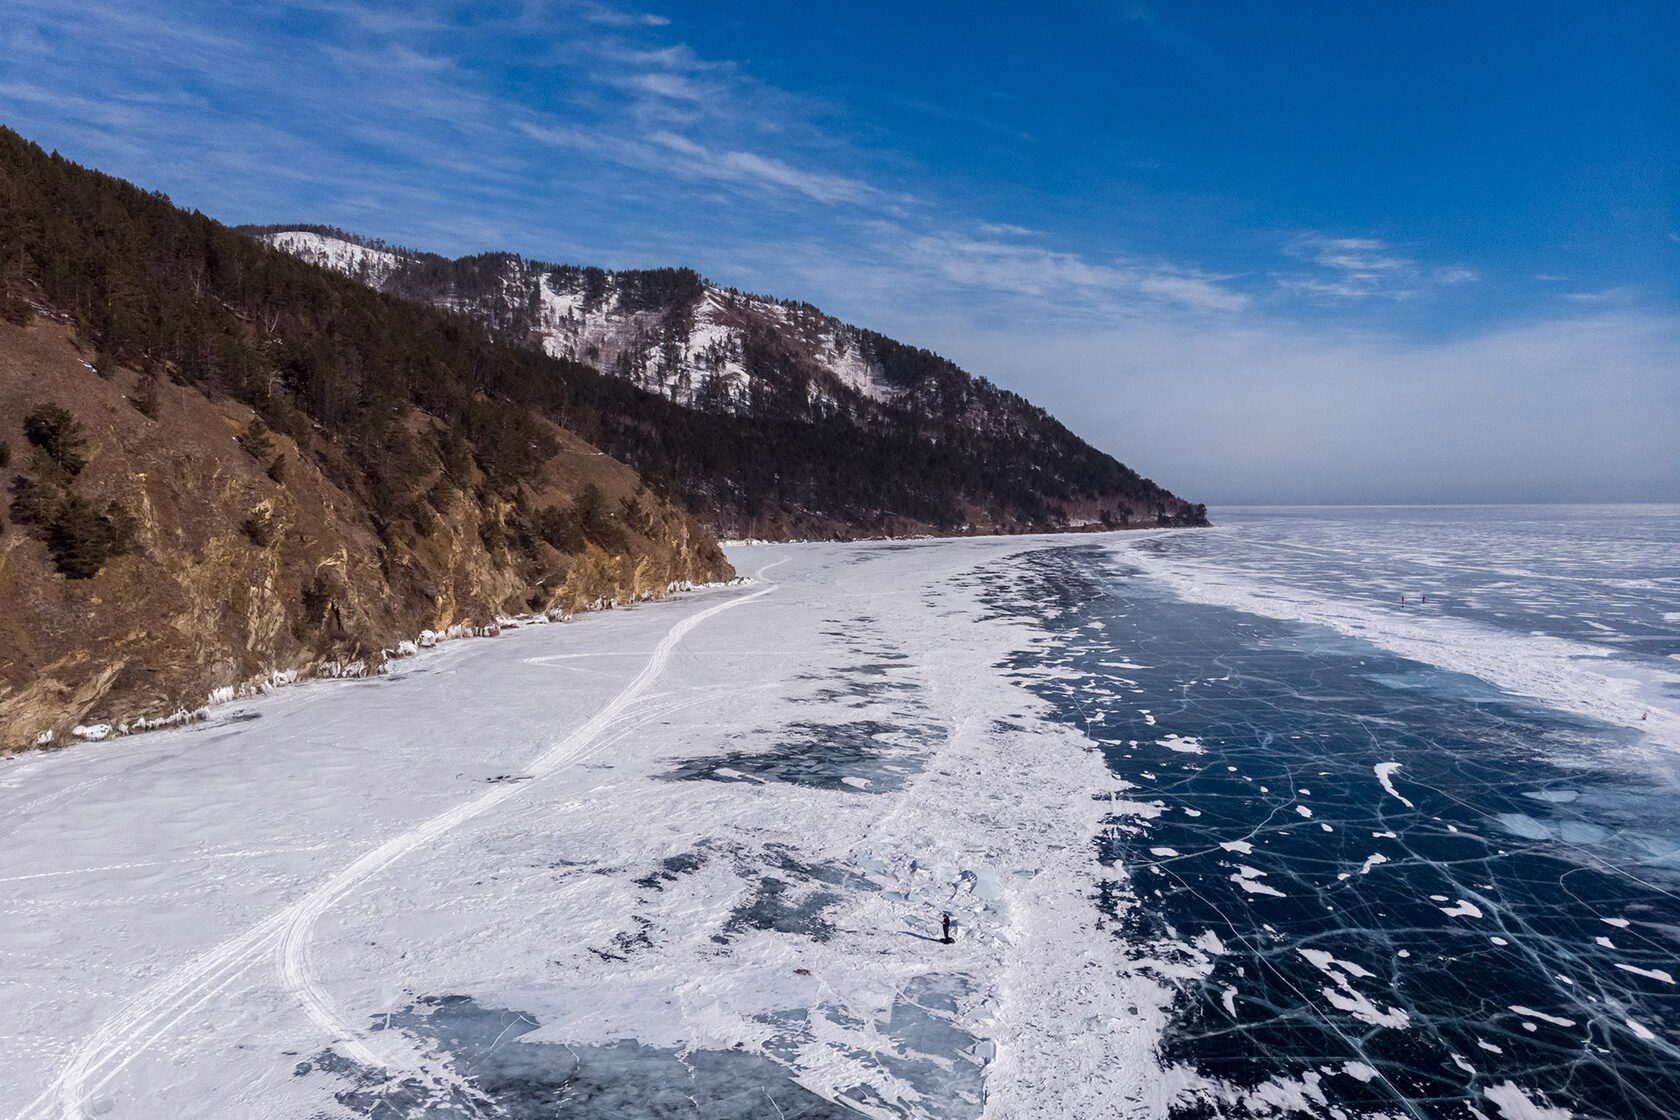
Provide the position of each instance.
(267, 684)
(886, 817)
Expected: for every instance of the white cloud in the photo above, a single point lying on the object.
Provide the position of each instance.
(619, 17)
(1452, 277)
(1357, 255)
(669, 153)
(748, 167)
(1043, 274)
(1622, 294)
(1358, 268)
(677, 56)
(676, 87)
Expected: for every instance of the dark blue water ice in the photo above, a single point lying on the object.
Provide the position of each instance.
(874, 751)
(863, 755)
(1518, 921)
(924, 1050)
(498, 1074)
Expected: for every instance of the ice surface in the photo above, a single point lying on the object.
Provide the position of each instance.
(1385, 960)
(695, 854)
(363, 876)
(498, 1070)
(1563, 604)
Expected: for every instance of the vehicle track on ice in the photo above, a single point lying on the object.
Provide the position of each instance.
(149, 1016)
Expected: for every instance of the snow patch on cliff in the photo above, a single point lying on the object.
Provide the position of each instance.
(371, 266)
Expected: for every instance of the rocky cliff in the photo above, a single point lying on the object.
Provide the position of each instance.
(224, 470)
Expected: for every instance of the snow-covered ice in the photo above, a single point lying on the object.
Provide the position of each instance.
(692, 857)
(313, 904)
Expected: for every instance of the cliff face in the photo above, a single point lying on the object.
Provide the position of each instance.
(902, 439)
(233, 579)
(222, 468)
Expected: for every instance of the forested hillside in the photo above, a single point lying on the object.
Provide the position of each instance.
(790, 421)
(223, 466)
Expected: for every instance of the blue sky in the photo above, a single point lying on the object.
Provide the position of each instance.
(1262, 252)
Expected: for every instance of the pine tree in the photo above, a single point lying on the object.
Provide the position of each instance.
(60, 435)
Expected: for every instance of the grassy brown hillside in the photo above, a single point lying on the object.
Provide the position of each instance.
(219, 463)
(231, 575)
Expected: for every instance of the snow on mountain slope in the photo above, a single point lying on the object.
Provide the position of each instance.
(369, 265)
(924, 445)
(693, 351)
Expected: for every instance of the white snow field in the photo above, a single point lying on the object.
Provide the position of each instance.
(693, 851)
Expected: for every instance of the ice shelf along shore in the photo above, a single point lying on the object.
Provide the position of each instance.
(694, 858)
(699, 849)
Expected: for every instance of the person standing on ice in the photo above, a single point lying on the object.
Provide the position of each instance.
(947, 938)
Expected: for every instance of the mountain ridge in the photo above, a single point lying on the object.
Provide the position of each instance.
(719, 351)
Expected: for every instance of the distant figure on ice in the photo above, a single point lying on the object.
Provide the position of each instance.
(947, 939)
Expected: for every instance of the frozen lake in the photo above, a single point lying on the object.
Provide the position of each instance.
(694, 851)
(1380, 885)
(1221, 832)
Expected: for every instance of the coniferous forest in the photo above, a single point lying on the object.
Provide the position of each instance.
(792, 451)
(325, 361)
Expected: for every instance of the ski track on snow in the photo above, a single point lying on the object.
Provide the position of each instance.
(151, 1015)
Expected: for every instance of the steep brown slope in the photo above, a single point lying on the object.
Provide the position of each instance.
(234, 576)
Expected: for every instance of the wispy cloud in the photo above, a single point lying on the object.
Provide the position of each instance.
(762, 171)
(902, 274)
(676, 87)
(1621, 295)
(1358, 268)
(668, 153)
(1041, 273)
(402, 18)
(619, 17)
(1168, 35)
